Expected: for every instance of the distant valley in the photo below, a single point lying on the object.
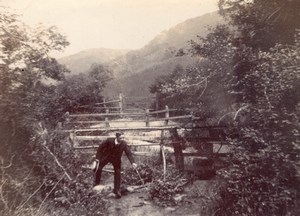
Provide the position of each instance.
(135, 70)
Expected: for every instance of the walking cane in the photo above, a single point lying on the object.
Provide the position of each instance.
(139, 176)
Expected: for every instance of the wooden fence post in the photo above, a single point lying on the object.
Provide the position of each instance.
(59, 125)
(177, 142)
(162, 148)
(147, 117)
(104, 105)
(121, 103)
(157, 105)
(167, 115)
(106, 118)
(193, 119)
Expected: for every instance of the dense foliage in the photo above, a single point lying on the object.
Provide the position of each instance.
(250, 81)
(143, 174)
(262, 23)
(163, 193)
(79, 93)
(25, 68)
(36, 163)
(264, 175)
(199, 87)
(26, 71)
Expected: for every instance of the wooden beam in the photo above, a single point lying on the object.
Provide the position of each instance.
(163, 154)
(144, 144)
(165, 110)
(204, 139)
(87, 122)
(106, 102)
(86, 147)
(203, 154)
(141, 153)
(177, 117)
(83, 138)
(106, 114)
(121, 129)
(130, 120)
(130, 143)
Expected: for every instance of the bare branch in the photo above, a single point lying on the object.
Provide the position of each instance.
(9, 165)
(50, 192)
(2, 196)
(220, 119)
(239, 110)
(267, 97)
(32, 195)
(57, 162)
(203, 89)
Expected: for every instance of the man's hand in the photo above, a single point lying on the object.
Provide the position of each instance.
(95, 165)
(134, 165)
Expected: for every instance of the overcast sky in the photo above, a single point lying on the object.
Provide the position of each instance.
(118, 24)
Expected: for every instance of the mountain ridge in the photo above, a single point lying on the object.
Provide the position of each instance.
(156, 58)
(80, 62)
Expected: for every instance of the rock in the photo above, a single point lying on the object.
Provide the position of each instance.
(99, 188)
(111, 195)
(102, 188)
(179, 197)
(170, 209)
(146, 203)
(130, 189)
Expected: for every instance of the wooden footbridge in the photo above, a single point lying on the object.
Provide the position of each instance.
(159, 129)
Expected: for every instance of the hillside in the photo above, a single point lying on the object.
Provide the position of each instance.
(165, 45)
(81, 62)
(137, 85)
(135, 70)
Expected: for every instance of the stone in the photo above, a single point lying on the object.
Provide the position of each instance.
(170, 209)
(179, 197)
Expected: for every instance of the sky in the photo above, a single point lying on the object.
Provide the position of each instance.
(115, 24)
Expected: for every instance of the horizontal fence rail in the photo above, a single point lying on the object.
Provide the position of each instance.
(110, 119)
(88, 129)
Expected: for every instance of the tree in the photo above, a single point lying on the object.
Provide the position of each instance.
(199, 87)
(256, 64)
(79, 93)
(263, 23)
(101, 75)
(263, 177)
(25, 68)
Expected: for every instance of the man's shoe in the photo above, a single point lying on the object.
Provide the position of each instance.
(118, 194)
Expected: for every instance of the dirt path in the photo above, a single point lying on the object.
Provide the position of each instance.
(137, 203)
(134, 204)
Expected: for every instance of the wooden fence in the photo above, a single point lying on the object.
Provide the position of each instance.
(145, 119)
(124, 104)
(116, 118)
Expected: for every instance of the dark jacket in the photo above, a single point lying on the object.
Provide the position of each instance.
(108, 151)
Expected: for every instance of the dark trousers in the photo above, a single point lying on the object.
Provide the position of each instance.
(117, 174)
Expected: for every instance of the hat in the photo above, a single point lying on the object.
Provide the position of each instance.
(119, 133)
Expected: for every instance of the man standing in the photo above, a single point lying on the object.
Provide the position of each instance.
(110, 151)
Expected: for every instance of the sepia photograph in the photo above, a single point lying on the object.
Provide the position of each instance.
(150, 108)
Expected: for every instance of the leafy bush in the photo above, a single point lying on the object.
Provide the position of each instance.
(31, 105)
(253, 83)
(79, 93)
(163, 192)
(133, 177)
